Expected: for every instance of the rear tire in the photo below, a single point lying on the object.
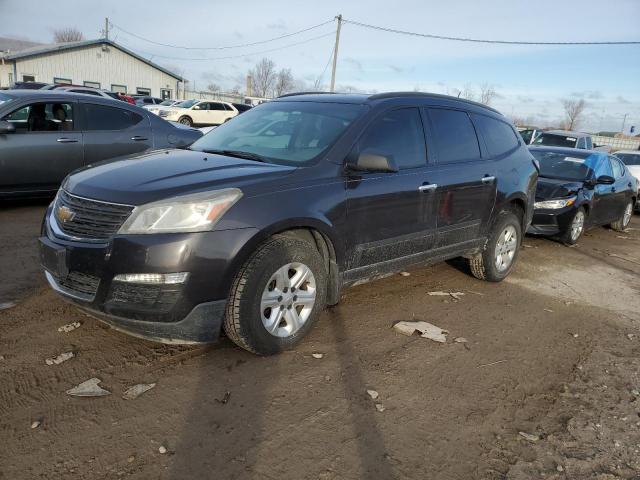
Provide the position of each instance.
(261, 292)
(186, 121)
(575, 229)
(495, 262)
(622, 223)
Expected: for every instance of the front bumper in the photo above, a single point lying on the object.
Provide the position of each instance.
(190, 312)
(549, 222)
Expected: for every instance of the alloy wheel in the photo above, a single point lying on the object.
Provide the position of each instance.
(506, 248)
(627, 215)
(577, 225)
(288, 299)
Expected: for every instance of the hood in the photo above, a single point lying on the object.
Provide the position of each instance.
(163, 174)
(634, 170)
(549, 188)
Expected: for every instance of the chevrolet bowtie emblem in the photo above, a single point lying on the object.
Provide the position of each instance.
(65, 214)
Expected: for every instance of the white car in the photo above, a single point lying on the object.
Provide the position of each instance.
(156, 108)
(199, 112)
(631, 158)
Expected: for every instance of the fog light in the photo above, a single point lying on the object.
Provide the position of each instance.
(152, 278)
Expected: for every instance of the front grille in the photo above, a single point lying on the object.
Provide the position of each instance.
(91, 219)
(157, 298)
(80, 284)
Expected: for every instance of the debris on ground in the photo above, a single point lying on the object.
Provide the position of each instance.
(7, 305)
(131, 459)
(460, 340)
(529, 436)
(89, 388)
(225, 398)
(380, 407)
(630, 336)
(36, 424)
(63, 357)
(405, 274)
(455, 295)
(162, 449)
(134, 392)
(317, 355)
(490, 364)
(574, 335)
(373, 394)
(69, 327)
(548, 310)
(426, 329)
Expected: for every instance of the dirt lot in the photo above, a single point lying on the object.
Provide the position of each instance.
(553, 352)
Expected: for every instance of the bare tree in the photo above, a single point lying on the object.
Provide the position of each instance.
(264, 77)
(487, 93)
(213, 87)
(284, 82)
(467, 92)
(66, 35)
(573, 110)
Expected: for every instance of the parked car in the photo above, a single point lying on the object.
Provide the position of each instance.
(156, 108)
(142, 100)
(578, 189)
(565, 138)
(200, 112)
(529, 134)
(96, 92)
(631, 158)
(256, 233)
(27, 85)
(241, 107)
(44, 135)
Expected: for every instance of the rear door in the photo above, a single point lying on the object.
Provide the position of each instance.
(390, 215)
(111, 131)
(45, 147)
(218, 113)
(466, 182)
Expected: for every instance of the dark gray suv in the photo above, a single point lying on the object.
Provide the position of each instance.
(44, 135)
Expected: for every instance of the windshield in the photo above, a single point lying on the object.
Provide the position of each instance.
(552, 140)
(287, 133)
(564, 167)
(186, 103)
(629, 158)
(167, 103)
(5, 98)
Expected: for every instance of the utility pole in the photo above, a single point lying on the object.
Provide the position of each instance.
(335, 54)
(624, 120)
(106, 28)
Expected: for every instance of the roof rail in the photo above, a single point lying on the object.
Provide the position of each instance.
(381, 96)
(293, 94)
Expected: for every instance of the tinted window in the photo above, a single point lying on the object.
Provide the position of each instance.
(589, 143)
(553, 140)
(101, 117)
(567, 167)
(42, 117)
(629, 158)
(455, 136)
(618, 169)
(216, 106)
(499, 136)
(397, 134)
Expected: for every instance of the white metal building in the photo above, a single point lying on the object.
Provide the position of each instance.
(94, 63)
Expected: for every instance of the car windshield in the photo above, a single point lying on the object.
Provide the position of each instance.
(4, 98)
(629, 158)
(186, 103)
(167, 103)
(565, 167)
(286, 133)
(553, 140)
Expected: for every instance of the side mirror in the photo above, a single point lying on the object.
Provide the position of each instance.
(7, 127)
(373, 162)
(605, 180)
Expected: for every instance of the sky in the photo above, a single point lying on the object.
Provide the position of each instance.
(531, 81)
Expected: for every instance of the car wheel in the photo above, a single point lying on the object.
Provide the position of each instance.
(276, 296)
(575, 229)
(501, 251)
(622, 223)
(186, 121)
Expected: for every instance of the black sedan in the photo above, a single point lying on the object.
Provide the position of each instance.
(45, 135)
(578, 189)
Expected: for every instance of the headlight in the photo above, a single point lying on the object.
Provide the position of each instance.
(555, 204)
(190, 213)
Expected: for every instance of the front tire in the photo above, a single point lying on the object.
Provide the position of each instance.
(186, 121)
(501, 252)
(622, 223)
(575, 229)
(276, 296)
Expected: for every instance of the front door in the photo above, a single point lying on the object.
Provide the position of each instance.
(605, 200)
(44, 149)
(390, 215)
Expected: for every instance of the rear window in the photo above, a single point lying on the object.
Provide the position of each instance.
(4, 98)
(553, 140)
(566, 167)
(629, 158)
(101, 117)
(499, 136)
(454, 135)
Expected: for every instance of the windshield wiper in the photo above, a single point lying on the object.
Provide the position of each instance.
(239, 154)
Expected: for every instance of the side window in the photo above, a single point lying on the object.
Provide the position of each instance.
(101, 117)
(397, 134)
(217, 106)
(498, 135)
(454, 135)
(581, 143)
(618, 169)
(42, 117)
(589, 142)
(201, 106)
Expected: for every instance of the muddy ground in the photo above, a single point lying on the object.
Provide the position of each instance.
(552, 352)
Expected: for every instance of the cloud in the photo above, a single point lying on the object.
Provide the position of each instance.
(525, 99)
(396, 69)
(353, 62)
(621, 99)
(590, 94)
(277, 25)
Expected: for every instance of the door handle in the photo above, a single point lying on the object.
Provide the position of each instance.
(428, 188)
(138, 138)
(67, 140)
(488, 179)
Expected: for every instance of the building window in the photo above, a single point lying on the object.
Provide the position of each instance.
(165, 93)
(118, 88)
(92, 84)
(143, 91)
(62, 81)
(28, 78)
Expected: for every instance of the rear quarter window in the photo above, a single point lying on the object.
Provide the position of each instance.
(102, 117)
(499, 137)
(454, 136)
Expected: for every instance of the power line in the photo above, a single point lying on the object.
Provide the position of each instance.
(319, 80)
(476, 40)
(225, 46)
(234, 56)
